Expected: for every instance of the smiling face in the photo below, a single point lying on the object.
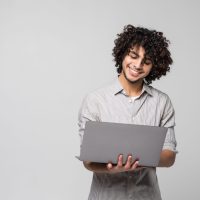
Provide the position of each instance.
(136, 65)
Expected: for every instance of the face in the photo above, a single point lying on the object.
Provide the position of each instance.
(136, 65)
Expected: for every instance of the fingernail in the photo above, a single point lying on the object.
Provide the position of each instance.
(109, 166)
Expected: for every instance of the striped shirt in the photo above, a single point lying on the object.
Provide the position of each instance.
(111, 104)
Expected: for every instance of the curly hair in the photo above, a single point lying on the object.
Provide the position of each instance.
(154, 44)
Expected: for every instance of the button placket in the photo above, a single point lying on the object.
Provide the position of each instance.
(134, 110)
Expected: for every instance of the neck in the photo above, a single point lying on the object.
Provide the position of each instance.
(131, 89)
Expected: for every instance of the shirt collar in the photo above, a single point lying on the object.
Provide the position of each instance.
(147, 89)
(117, 88)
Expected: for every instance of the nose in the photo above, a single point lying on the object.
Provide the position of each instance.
(138, 64)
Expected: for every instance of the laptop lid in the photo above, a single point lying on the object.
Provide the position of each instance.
(103, 142)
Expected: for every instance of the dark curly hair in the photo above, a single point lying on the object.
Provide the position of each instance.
(155, 45)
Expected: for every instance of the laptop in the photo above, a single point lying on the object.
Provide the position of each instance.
(103, 142)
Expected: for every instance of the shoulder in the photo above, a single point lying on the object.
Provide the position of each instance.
(99, 93)
(162, 99)
(159, 94)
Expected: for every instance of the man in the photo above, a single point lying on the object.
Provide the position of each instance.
(141, 56)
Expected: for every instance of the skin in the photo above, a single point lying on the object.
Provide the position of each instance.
(135, 67)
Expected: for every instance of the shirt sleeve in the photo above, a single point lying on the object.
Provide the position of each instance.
(168, 120)
(87, 112)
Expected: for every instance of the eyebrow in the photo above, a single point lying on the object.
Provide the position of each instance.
(146, 57)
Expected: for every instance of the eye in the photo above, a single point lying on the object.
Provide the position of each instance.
(132, 55)
(147, 62)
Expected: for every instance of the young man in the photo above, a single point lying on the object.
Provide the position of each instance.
(141, 56)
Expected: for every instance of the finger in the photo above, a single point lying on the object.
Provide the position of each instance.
(128, 163)
(109, 166)
(120, 161)
(135, 164)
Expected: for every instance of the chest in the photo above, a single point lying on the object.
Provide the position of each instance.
(143, 111)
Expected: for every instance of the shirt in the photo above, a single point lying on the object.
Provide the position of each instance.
(112, 104)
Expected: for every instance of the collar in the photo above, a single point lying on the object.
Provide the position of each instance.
(117, 88)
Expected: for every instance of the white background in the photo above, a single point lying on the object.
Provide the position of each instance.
(54, 52)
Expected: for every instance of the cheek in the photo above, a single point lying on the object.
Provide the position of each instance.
(149, 69)
(126, 61)
(124, 64)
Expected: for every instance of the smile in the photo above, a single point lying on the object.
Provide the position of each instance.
(134, 72)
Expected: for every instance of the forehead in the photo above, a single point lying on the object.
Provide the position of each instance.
(139, 50)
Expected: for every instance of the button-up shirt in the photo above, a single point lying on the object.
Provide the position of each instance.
(112, 104)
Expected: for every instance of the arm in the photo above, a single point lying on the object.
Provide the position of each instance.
(168, 154)
(167, 158)
(96, 167)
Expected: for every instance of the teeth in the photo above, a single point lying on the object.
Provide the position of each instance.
(135, 72)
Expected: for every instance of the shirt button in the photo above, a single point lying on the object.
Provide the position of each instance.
(130, 196)
(130, 101)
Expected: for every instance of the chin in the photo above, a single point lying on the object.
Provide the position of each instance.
(131, 80)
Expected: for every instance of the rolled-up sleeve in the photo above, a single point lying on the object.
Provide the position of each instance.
(168, 120)
(87, 112)
(170, 140)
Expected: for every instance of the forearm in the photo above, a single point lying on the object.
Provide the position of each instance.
(167, 158)
(96, 167)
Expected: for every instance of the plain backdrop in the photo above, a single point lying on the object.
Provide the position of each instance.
(54, 52)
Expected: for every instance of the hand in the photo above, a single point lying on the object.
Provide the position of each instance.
(129, 166)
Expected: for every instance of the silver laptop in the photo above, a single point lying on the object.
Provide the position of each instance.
(103, 142)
